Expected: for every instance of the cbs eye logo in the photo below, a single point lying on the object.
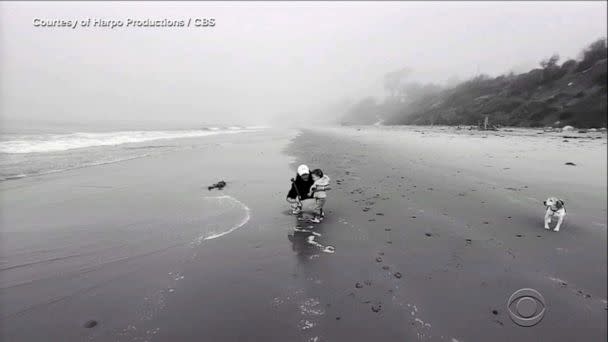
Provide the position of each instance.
(526, 307)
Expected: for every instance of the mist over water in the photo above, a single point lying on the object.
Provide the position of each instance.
(262, 63)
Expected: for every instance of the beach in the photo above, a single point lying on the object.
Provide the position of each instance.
(432, 230)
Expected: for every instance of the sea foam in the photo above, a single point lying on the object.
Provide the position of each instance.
(41, 143)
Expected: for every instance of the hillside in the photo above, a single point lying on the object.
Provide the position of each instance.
(574, 93)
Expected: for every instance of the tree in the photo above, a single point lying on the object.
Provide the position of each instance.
(392, 81)
(550, 63)
(551, 71)
(593, 53)
(413, 91)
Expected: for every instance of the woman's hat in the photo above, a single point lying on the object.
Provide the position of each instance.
(303, 169)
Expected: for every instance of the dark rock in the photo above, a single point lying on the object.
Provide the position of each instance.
(570, 163)
(378, 259)
(398, 275)
(495, 312)
(377, 308)
(428, 234)
(358, 285)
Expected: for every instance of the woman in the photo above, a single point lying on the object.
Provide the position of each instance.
(298, 195)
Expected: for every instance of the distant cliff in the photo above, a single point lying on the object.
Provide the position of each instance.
(574, 93)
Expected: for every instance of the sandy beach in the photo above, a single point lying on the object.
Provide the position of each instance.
(430, 242)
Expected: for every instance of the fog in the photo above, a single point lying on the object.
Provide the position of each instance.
(262, 63)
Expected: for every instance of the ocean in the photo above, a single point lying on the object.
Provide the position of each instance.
(32, 154)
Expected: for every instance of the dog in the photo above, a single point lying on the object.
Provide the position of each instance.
(555, 207)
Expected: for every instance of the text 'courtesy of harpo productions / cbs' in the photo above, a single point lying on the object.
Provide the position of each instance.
(93, 23)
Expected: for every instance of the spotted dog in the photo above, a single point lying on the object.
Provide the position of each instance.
(555, 208)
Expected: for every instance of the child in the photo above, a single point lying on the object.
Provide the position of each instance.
(318, 191)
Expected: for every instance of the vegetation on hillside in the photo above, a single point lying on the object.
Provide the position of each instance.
(573, 93)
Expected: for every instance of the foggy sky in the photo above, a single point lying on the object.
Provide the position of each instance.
(263, 63)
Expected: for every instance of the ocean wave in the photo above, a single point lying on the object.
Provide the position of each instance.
(63, 142)
(242, 222)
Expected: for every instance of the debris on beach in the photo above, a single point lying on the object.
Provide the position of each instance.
(358, 285)
(219, 185)
(570, 163)
(398, 275)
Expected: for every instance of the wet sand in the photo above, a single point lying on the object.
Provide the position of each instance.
(433, 231)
